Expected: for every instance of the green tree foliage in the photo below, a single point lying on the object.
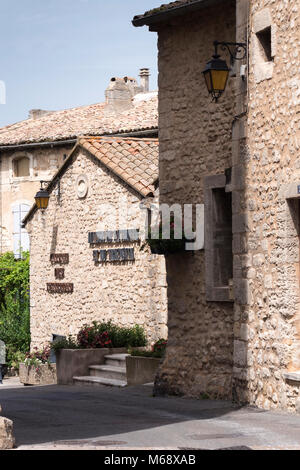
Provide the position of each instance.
(14, 304)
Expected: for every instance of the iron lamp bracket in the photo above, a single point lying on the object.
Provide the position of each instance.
(237, 50)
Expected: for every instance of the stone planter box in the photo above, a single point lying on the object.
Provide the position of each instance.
(45, 375)
(75, 362)
(141, 370)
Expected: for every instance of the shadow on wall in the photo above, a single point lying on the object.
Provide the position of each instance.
(199, 357)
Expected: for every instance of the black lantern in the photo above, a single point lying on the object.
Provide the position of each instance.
(42, 197)
(216, 75)
(216, 72)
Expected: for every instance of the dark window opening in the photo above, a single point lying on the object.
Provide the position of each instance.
(222, 238)
(21, 167)
(218, 239)
(265, 42)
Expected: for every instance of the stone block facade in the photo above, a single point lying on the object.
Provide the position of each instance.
(249, 349)
(195, 142)
(269, 155)
(128, 293)
(20, 190)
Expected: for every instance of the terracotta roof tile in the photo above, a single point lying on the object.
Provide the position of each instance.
(85, 120)
(130, 168)
(175, 8)
(165, 7)
(139, 169)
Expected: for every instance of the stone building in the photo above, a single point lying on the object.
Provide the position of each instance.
(34, 149)
(89, 259)
(234, 308)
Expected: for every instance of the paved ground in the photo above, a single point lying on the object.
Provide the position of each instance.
(55, 417)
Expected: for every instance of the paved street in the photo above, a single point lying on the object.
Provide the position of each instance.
(56, 417)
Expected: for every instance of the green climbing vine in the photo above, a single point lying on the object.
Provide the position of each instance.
(14, 306)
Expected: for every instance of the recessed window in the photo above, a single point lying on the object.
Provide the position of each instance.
(265, 43)
(21, 167)
(222, 237)
(20, 235)
(218, 239)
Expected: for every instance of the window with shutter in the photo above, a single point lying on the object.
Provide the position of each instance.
(218, 239)
(20, 235)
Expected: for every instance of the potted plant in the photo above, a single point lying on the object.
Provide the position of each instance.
(37, 369)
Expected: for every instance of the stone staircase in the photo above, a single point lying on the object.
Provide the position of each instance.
(112, 373)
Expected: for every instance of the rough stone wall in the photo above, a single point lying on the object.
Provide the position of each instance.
(267, 322)
(44, 164)
(127, 293)
(195, 142)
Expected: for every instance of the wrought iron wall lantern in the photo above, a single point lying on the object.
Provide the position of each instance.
(217, 71)
(42, 197)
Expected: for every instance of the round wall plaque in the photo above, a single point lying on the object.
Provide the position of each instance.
(82, 186)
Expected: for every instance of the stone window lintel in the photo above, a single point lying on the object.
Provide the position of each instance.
(292, 376)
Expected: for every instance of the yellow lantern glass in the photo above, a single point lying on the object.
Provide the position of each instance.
(42, 199)
(216, 75)
(219, 79)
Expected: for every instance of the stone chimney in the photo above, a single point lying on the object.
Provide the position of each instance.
(120, 92)
(37, 113)
(144, 75)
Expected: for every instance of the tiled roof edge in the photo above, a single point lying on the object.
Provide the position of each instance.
(143, 191)
(165, 12)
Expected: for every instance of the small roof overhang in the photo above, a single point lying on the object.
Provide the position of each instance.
(162, 14)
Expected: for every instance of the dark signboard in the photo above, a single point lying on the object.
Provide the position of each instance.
(122, 254)
(59, 258)
(59, 273)
(55, 288)
(116, 236)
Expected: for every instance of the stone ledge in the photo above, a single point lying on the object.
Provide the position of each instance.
(294, 376)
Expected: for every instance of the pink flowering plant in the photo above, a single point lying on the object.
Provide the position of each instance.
(103, 335)
(89, 338)
(158, 350)
(37, 358)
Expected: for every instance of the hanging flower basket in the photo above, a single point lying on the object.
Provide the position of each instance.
(163, 245)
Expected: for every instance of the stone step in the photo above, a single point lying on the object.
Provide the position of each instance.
(108, 372)
(117, 360)
(98, 381)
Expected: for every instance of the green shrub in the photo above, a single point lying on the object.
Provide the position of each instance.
(14, 304)
(128, 337)
(14, 357)
(64, 343)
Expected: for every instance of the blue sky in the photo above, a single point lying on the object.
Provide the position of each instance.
(57, 54)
